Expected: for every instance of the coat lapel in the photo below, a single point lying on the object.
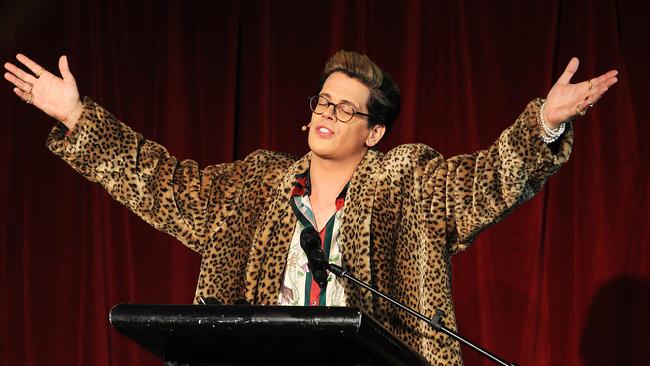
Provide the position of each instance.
(268, 256)
(267, 261)
(355, 235)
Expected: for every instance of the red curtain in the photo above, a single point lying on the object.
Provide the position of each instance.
(564, 280)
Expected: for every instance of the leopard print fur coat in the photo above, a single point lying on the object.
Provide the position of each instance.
(407, 211)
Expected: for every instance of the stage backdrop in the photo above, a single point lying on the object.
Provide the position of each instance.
(564, 280)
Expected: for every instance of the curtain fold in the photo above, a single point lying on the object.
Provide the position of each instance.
(564, 280)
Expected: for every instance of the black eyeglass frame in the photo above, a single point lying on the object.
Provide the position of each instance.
(354, 112)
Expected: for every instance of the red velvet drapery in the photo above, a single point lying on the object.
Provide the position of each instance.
(564, 280)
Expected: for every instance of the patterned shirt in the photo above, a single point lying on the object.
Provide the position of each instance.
(298, 287)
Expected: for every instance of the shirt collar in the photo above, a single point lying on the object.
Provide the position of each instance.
(301, 186)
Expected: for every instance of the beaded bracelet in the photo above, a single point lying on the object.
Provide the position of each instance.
(548, 134)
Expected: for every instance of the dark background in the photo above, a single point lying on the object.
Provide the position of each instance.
(564, 280)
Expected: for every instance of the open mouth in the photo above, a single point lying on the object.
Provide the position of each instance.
(324, 131)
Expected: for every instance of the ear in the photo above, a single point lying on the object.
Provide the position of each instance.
(375, 135)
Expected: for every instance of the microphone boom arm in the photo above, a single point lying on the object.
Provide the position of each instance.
(435, 321)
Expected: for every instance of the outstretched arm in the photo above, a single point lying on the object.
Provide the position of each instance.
(482, 188)
(174, 196)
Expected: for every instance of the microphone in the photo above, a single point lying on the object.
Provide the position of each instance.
(311, 244)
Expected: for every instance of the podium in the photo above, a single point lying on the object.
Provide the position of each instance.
(234, 335)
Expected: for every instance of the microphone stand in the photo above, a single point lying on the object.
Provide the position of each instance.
(435, 321)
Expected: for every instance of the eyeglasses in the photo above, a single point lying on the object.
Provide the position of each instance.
(342, 111)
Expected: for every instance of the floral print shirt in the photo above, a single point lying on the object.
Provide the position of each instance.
(298, 287)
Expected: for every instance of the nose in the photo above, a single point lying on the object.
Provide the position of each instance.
(330, 112)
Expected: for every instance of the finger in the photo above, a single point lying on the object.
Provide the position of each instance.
(598, 93)
(609, 82)
(31, 65)
(591, 102)
(65, 69)
(24, 86)
(8, 64)
(570, 70)
(603, 87)
(20, 73)
(22, 95)
(604, 77)
(602, 83)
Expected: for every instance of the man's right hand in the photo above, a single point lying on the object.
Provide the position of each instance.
(58, 97)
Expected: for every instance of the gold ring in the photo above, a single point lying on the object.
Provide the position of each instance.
(579, 112)
(30, 98)
(590, 104)
(589, 85)
(30, 89)
(40, 72)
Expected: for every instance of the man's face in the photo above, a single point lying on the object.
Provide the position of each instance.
(332, 139)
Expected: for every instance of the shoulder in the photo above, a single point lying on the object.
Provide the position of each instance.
(410, 155)
(260, 165)
(407, 162)
(267, 166)
(265, 160)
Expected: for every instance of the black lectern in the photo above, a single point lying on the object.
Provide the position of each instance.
(261, 335)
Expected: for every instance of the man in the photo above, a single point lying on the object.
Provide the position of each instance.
(391, 220)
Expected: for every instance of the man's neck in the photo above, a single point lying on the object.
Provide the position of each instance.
(328, 176)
